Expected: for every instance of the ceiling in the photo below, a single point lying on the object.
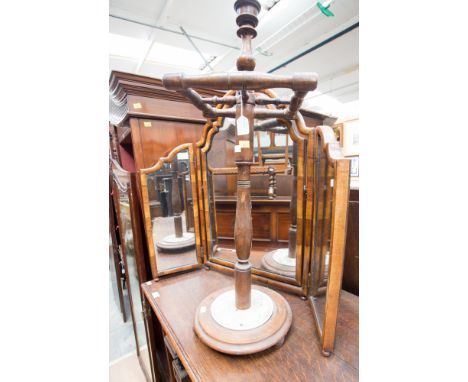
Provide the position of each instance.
(147, 37)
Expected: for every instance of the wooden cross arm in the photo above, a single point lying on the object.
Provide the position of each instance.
(231, 100)
(244, 80)
(212, 112)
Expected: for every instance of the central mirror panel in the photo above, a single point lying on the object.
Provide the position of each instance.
(170, 212)
(276, 176)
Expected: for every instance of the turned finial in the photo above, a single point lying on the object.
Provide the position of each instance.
(247, 11)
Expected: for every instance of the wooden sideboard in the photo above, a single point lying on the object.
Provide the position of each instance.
(174, 300)
(148, 120)
(270, 218)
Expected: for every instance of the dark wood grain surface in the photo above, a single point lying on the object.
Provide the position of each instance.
(299, 359)
(351, 264)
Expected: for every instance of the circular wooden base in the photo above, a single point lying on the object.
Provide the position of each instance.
(270, 264)
(171, 243)
(238, 342)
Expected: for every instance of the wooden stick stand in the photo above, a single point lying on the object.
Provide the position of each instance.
(245, 319)
(180, 240)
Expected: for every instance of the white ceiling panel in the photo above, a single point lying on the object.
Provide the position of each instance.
(214, 19)
(287, 29)
(339, 55)
(125, 28)
(122, 64)
(146, 11)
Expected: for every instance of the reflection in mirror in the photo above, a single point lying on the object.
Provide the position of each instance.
(273, 196)
(172, 215)
(322, 233)
(133, 278)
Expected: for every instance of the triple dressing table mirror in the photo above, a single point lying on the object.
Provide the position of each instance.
(170, 209)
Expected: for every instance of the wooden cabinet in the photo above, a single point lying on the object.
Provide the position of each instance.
(153, 138)
(351, 264)
(148, 120)
(270, 218)
(298, 359)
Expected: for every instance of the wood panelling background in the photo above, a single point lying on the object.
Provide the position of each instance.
(270, 219)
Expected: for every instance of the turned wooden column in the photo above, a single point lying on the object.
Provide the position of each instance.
(243, 222)
(245, 325)
(175, 196)
(247, 11)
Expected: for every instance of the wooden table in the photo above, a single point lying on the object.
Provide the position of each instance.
(298, 359)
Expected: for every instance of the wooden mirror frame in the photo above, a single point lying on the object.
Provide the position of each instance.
(147, 215)
(299, 133)
(124, 182)
(337, 167)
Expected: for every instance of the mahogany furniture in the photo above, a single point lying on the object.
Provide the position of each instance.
(351, 263)
(148, 121)
(298, 359)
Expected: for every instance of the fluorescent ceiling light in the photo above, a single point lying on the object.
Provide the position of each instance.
(127, 47)
(324, 103)
(268, 4)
